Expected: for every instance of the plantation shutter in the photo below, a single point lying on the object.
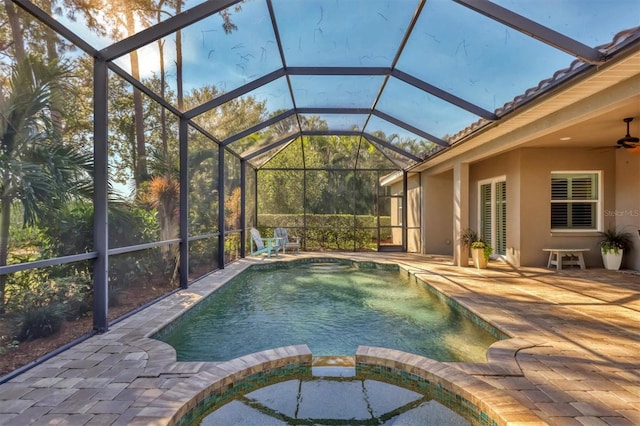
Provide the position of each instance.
(574, 200)
(582, 214)
(493, 214)
(485, 213)
(559, 211)
(501, 218)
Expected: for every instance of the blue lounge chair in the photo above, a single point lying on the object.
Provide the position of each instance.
(263, 245)
(288, 243)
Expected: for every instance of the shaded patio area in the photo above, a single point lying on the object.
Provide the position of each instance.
(573, 357)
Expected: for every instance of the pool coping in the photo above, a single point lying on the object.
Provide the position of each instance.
(453, 387)
(574, 340)
(148, 385)
(217, 384)
(191, 398)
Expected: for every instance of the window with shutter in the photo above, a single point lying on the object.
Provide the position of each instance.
(501, 218)
(493, 213)
(575, 199)
(485, 212)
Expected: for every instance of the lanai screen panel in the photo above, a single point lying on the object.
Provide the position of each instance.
(431, 66)
(335, 91)
(203, 201)
(217, 54)
(245, 111)
(266, 139)
(333, 121)
(104, 23)
(337, 33)
(423, 110)
(145, 171)
(371, 158)
(232, 207)
(281, 186)
(399, 137)
(250, 194)
(203, 178)
(478, 59)
(289, 157)
(330, 152)
(366, 218)
(594, 23)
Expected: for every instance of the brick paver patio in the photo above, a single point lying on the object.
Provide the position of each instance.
(574, 358)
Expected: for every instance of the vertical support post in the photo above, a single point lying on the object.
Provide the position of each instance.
(378, 207)
(424, 228)
(221, 224)
(460, 212)
(100, 197)
(243, 206)
(304, 208)
(405, 215)
(421, 215)
(304, 196)
(255, 190)
(184, 202)
(355, 213)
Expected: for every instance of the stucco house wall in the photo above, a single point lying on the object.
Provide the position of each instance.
(506, 165)
(414, 195)
(527, 172)
(536, 167)
(437, 215)
(627, 205)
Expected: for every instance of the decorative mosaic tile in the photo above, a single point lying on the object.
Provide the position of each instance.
(436, 391)
(221, 396)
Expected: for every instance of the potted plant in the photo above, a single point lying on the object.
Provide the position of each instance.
(612, 248)
(480, 252)
(468, 237)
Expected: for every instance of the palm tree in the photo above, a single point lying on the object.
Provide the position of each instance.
(36, 169)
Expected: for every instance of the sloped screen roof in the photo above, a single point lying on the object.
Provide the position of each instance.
(404, 76)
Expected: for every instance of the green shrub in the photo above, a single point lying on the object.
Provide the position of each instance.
(38, 303)
(78, 292)
(329, 231)
(140, 268)
(203, 256)
(114, 296)
(40, 321)
(7, 343)
(34, 288)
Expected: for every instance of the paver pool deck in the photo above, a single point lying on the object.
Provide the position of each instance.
(574, 356)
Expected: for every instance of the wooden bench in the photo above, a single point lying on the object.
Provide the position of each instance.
(562, 257)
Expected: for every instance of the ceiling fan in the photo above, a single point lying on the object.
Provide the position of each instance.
(628, 141)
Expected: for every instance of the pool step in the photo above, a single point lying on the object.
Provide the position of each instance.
(333, 371)
(333, 366)
(333, 361)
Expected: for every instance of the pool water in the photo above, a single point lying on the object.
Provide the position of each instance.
(325, 401)
(332, 308)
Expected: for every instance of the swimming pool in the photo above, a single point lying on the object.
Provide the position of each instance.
(331, 307)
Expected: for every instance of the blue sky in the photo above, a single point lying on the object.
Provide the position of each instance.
(451, 47)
